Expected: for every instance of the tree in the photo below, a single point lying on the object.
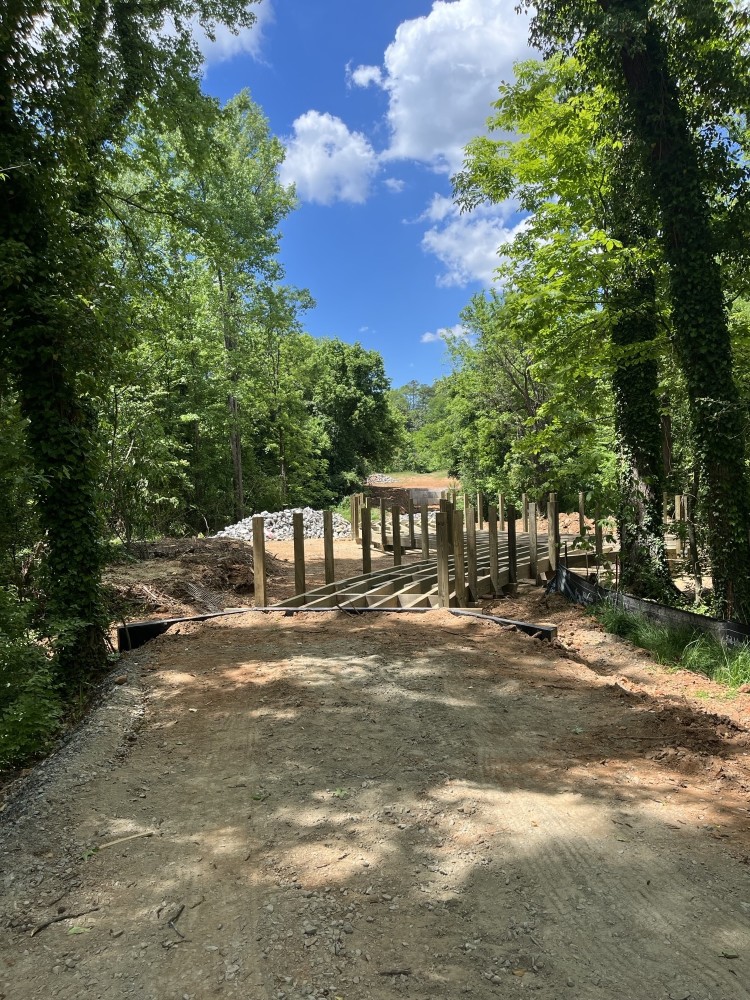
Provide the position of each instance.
(71, 76)
(678, 68)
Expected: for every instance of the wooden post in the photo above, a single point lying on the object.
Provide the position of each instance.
(512, 550)
(459, 567)
(471, 553)
(412, 536)
(259, 561)
(480, 510)
(533, 544)
(581, 513)
(425, 527)
(501, 511)
(358, 516)
(396, 528)
(492, 532)
(553, 531)
(353, 515)
(678, 506)
(383, 524)
(465, 501)
(664, 507)
(298, 527)
(525, 512)
(366, 540)
(441, 529)
(449, 511)
(328, 545)
(454, 498)
(598, 536)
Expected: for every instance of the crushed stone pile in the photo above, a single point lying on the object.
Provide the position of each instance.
(378, 479)
(279, 526)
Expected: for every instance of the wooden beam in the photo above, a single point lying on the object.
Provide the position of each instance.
(512, 549)
(480, 510)
(425, 529)
(396, 529)
(328, 545)
(298, 529)
(259, 561)
(459, 566)
(383, 524)
(492, 536)
(501, 511)
(366, 540)
(471, 553)
(525, 512)
(412, 535)
(533, 544)
(443, 580)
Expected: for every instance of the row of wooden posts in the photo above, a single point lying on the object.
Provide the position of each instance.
(454, 536)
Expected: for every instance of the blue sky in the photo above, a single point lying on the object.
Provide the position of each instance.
(374, 102)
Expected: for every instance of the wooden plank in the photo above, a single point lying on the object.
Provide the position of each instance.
(353, 516)
(581, 513)
(298, 528)
(471, 553)
(533, 544)
(459, 567)
(443, 580)
(328, 545)
(512, 549)
(383, 525)
(480, 510)
(396, 531)
(259, 561)
(492, 536)
(501, 511)
(412, 535)
(425, 528)
(525, 512)
(366, 540)
(553, 531)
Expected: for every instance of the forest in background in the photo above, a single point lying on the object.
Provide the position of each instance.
(157, 377)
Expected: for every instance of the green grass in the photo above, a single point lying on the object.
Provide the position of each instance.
(684, 648)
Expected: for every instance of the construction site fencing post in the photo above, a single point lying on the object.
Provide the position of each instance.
(494, 560)
(298, 529)
(366, 540)
(396, 528)
(525, 512)
(328, 545)
(383, 524)
(501, 511)
(581, 513)
(459, 566)
(259, 561)
(480, 511)
(441, 531)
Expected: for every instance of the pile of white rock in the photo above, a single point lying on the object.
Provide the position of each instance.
(378, 479)
(279, 527)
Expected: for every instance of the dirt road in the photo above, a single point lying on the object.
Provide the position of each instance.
(369, 807)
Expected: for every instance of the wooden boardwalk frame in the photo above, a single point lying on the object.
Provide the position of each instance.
(415, 584)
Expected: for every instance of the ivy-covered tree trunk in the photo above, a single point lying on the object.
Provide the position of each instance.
(701, 331)
(643, 557)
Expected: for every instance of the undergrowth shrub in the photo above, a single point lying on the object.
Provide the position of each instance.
(30, 701)
(682, 647)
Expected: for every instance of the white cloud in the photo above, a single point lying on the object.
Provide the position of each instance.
(227, 45)
(469, 246)
(441, 73)
(394, 185)
(326, 161)
(363, 76)
(439, 208)
(443, 334)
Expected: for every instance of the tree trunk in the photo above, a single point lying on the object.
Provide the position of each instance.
(643, 557)
(700, 323)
